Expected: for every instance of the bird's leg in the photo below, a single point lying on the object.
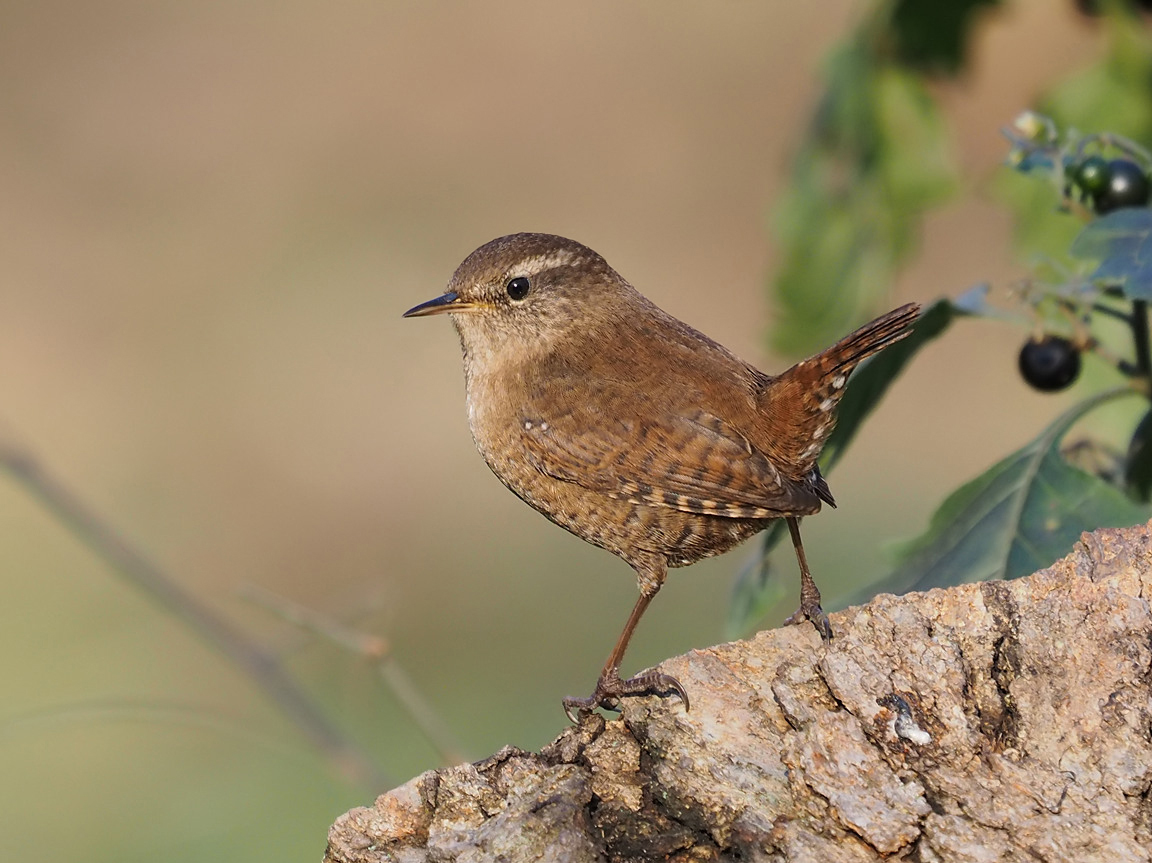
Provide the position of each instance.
(610, 688)
(809, 592)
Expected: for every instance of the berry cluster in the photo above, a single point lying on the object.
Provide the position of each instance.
(1109, 184)
(1099, 174)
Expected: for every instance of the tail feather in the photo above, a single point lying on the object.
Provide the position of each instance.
(870, 339)
(800, 404)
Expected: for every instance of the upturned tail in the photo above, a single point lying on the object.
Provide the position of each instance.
(800, 404)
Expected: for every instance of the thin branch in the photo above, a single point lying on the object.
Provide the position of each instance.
(344, 757)
(396, 679)
(362, 644)
(1109, 311)
(1125, 367)
(378, 651)
(1107, 139)
(1087, 342)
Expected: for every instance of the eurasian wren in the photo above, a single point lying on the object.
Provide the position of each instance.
(631, 429)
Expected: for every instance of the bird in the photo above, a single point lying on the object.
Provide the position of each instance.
(634, 431)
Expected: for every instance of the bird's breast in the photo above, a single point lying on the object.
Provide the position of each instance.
(495, 405)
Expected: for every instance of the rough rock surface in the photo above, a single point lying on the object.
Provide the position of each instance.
(989, 722)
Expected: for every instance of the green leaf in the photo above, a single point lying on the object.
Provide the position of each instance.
(1122, 242)
(876, 157)
(915, 162)
(1020, 515)
(871, 380)
(1138, 464)
(932, 35)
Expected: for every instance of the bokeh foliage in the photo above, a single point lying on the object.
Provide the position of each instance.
(876, 156)
(866, 174)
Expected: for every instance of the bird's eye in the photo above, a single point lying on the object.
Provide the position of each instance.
(518, 288)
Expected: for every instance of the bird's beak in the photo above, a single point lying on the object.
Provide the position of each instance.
(449, 302)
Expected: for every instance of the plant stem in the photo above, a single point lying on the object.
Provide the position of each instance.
(1109, 311)
(1140, 336)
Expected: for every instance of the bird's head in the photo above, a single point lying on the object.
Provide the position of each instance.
(523, 292)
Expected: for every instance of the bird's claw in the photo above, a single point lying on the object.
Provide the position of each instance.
(816, 615)
(610, 689)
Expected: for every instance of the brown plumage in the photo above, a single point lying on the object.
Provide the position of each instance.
(631, 429)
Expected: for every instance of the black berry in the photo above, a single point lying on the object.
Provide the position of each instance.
(1050, 364)
(1093, 175)
(1128, 186)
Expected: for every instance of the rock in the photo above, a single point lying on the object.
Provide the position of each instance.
(988, 722)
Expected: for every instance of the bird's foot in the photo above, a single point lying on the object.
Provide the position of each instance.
(814, 613)
(610, 689)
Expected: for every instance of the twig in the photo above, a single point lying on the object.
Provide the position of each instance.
(363, 644)
(1084, 339)
(346, 759)
(1109, 311)
(376, 650)
(396, 679)
(1122, 365)
(1106, 139)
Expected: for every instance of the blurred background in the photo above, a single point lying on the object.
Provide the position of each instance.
(211, 219)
